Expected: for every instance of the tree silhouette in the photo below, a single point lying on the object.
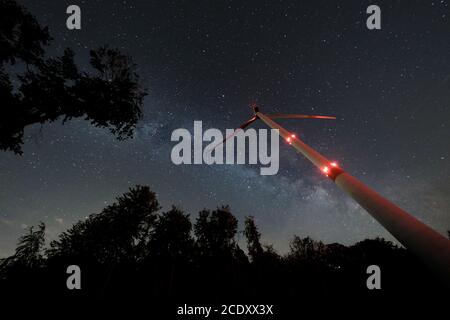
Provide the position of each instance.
(115, 234)
(131, 250)
(55, 88)
(306, 249)
(29, 251)
(26, 266)
(266, 270)
(172, 235)
(22, 37)
(215, 231)
(109, 243)
(171, 252)
(253, 236)
(219, 257)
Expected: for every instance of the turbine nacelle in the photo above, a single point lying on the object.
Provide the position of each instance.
(256, 111)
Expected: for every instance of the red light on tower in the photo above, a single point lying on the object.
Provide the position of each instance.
(334, 164)
(293, 136)
(326, 170)
(288, 139)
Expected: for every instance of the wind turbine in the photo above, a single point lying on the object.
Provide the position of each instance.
(427, 244)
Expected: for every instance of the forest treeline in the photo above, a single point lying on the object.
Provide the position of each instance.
(132, 247)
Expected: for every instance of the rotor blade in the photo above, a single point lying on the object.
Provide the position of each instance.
(241, 127)
(247, 123)
(297, 116)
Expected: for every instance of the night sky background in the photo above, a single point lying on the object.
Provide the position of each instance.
(206, 60)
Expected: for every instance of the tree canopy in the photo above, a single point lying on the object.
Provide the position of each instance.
(35, 89)
(131, 246)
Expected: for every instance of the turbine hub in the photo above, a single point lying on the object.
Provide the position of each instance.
(255, 108)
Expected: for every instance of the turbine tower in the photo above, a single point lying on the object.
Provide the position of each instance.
(427, 244)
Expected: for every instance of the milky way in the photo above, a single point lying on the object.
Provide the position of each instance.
(206, 60)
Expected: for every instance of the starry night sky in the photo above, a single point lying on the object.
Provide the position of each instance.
(206, 60)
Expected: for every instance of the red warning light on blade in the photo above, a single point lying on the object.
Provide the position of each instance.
(293, 136)
(326, 170)
(333, 164)
(288, 139)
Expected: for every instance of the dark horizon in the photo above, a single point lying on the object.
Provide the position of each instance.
(169, 260)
